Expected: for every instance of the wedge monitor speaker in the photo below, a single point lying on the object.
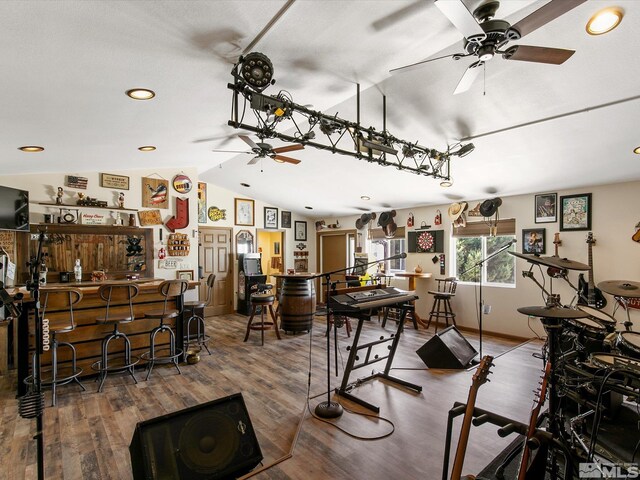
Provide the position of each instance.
(214, 440)
(447, 349)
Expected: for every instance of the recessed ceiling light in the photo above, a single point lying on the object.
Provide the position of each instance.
(446, 183)
(365, 197)
(309, 208)
(31, 148)
(636, 150)
(147, 148)
(604, 21)
(245, 185)
(141, 93)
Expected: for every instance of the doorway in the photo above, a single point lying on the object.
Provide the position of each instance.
(215, 256)
(271, 245)
(335, 252)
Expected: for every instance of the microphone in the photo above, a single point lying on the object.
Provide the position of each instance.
(397, 257)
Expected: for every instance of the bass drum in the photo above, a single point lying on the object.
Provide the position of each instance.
(629, 344)
(601, 317)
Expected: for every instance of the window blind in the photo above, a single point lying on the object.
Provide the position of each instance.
(378, 233)
(482, 229)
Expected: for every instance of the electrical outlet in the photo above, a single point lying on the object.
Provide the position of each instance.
(486, 309)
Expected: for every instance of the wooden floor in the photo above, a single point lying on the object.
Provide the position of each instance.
(87, 434)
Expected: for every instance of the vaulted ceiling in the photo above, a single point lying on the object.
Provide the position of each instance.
(536, 127)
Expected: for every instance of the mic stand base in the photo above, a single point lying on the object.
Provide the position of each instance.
(328, 409)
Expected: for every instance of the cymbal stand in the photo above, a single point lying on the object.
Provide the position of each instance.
(624, 301)
(551, 299)
(578, 294)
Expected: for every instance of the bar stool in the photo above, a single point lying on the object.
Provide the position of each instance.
(168, 289)
(121, 294)
(442, 301)
(60, 299)
(201, 337)
(263, 298)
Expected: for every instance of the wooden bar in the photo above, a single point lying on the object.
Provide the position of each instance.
(88, 335)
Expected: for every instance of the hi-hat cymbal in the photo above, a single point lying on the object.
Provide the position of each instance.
(552, 312)
(621, 288)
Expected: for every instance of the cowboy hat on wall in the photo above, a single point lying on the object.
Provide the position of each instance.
(490, 207)
(456, 214)
(364, 220)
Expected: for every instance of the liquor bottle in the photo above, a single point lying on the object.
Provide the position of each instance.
(77, 271)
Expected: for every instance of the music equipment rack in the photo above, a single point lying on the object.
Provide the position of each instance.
(357, 304)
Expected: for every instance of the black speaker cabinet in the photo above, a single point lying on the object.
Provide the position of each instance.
(214, 440)
(448, 349)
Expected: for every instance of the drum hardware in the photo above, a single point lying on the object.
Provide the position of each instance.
(629, 343)
(622, 290)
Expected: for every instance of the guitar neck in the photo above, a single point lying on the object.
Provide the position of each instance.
(461, 451)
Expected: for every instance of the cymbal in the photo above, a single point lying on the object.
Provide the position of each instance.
(531, 258)
(552, 312)
(621, 288)
(565, 263)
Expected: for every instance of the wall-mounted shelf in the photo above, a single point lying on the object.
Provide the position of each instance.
(60, 205)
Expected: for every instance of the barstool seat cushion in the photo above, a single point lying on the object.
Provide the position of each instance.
(263, 298)
(441, 294)
(195, 304)
(161, 314)
(120, 319)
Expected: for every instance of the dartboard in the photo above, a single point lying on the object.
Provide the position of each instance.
(425, 241)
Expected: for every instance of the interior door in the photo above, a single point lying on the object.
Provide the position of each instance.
(215, 256)
(333, 256)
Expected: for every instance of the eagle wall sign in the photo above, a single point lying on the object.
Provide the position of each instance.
(154, 193)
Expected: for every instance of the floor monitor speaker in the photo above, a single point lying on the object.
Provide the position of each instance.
(214, 440)
(447, 349)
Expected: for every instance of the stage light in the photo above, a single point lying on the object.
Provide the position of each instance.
(256, 71)
(376, 147)
(464, 150)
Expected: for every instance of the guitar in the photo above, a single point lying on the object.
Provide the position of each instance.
(525, 471)
(594, 296)
(480, 377)
(554, 271)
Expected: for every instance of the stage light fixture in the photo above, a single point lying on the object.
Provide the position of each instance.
(376, 147)
(256, 71)
(464, 150)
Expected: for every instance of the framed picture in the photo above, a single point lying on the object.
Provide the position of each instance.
(185, 275)
(244, 212)
(546, 208)
(576, 212)
(154, 192)
(202, 202)
(270, 217)
(119, 182)
(301, 231)
(285, 219)
(533, 240)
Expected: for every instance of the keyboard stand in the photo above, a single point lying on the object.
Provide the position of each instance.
(368, 360)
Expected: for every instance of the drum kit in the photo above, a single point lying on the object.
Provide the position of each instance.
(590, 358)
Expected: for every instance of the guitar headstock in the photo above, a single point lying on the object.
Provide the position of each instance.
(483, 371)
(590, 239)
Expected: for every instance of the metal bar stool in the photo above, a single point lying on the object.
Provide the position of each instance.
(168, 289)
(60, 299)
(122, 294)
(263, 298)
(201, 338)
(442, 301)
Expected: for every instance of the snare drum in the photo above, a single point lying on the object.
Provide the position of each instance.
(615, 362)
(601, 317)
(629, 343)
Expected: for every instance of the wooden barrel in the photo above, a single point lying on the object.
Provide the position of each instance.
(297, 304)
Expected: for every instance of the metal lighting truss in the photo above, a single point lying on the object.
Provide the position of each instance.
(276, 114)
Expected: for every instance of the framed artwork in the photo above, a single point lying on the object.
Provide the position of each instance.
(244, 242)
(285, 219)
(149, 217)
(202, 202)
(576, 212)
(244, 212)
(533, 240)
(270, 217)
(546, 208)
(185, 275)
(119, 182)
(182, 183)
(74, 181)
(155, 192)
(300, 231)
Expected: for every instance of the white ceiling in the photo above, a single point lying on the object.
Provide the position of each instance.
(536, 127)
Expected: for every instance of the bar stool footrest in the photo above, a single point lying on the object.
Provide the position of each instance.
(117, 367)
(62, 379)
(160, 356)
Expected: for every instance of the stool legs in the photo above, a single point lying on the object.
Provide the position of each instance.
(104, 359)
(262, 325)
(152, 351)
(200, 338)
(441, 309)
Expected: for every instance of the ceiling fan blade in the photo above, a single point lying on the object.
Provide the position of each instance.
(254, 160)
(288, 148)
(469, 77)
(542, 16)
(528, 53)
(282, 158)
(461, 18)
(248, 141)
(413, 66)
(229, 151)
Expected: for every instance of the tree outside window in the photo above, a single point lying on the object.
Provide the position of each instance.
(499, 270)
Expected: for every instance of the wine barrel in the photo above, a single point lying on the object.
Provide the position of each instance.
(297, 304)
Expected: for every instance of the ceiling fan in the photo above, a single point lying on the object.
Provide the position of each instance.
(262, 150)
(486, 36)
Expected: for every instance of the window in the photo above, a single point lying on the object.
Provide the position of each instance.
(387, 247)
(497, 271)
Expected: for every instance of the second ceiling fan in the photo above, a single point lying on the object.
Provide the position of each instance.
(485, 36)
(263, 150)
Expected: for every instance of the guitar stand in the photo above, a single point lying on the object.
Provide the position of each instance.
(368, 360)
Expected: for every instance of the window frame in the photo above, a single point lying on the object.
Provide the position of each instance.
(387, 263)
(483, 273)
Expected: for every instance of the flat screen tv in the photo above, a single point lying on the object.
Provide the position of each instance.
(14, 209)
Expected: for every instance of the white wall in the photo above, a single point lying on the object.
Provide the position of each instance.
(615, 256)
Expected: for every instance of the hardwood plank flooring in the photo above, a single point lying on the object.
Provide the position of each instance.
(87, 434)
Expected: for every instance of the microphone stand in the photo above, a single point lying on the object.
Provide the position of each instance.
(331, 409)
(477, 264)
